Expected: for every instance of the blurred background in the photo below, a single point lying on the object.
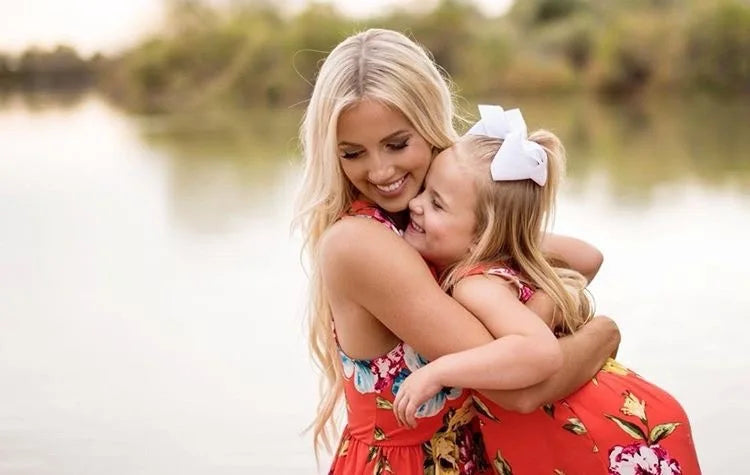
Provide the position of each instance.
(152, 296)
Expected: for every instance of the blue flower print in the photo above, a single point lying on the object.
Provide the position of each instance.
(364, 378)
(435, 404)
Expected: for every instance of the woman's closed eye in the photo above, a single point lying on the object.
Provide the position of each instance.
(398, 145)
(350, 154)
(436, 205)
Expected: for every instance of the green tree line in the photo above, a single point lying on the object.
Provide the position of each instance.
(250, 53)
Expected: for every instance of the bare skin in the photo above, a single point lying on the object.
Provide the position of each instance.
(382, 292)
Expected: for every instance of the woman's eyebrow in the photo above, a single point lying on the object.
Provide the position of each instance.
(385, 139)
(394, 135)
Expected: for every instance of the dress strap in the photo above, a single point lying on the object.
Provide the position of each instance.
(370, 210)
(499, 269)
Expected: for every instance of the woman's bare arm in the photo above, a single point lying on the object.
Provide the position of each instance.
(579, 255)
(373, 267)
(584, 353)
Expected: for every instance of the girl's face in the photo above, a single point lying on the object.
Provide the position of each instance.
(443, 220)
(382, 154)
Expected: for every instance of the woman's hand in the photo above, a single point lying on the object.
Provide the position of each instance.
(414, 391)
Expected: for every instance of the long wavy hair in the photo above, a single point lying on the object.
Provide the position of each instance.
(380, 65)
(511, 218)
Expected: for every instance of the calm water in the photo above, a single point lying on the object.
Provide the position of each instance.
(151, 296)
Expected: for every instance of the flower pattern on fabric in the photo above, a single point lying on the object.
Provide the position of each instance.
(456, 448)
(641, 458)
(435, 404)
(638, 459)
(364, 379)
(374, 376)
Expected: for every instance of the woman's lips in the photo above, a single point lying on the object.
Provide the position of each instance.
(393, 188)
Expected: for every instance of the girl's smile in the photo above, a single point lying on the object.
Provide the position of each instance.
(442, 218)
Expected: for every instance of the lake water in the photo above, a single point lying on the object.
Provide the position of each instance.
(151, 296)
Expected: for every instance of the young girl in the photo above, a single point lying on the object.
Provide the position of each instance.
(379, 113)
(480, 220)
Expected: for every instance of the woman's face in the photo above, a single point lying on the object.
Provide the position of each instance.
(443, 220)
(382, 154)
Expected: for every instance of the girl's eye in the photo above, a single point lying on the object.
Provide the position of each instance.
(435, 204)
(398, 146)
(350, 155)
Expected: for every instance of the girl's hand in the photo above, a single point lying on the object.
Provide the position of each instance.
(415, 390)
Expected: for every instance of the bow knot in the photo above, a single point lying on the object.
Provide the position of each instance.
(518, 157)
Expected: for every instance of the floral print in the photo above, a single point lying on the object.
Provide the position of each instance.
(641, 458)
(638, 459)
(618, 410)
(373, 375)
(391, 369)
(447, 439)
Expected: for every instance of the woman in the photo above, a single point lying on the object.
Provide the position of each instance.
(379, 113)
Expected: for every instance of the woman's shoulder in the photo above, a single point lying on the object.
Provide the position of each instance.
(367, 209)
(353, 244)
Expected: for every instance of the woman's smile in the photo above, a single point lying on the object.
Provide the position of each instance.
(393, 188)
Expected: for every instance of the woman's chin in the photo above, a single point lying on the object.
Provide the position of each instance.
(396, 205)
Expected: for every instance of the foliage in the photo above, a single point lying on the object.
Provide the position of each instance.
(253, 54)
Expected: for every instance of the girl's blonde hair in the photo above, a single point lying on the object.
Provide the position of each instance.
(511, 218)
(379, 65)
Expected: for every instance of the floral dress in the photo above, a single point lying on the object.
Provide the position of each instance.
(446, 440)
(618, 424)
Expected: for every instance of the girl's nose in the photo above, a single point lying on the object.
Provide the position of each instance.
(415, 205)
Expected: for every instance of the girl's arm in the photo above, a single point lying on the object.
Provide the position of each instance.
(526, 354)
(585, 352)
(579, 255)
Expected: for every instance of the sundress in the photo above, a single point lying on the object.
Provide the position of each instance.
(446, 440)
(618, 423)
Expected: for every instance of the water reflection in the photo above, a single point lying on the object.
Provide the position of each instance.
(40, 101)
(151, 296)
(641, 145)
(220, 162)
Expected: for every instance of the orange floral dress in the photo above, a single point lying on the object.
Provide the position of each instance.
(446, 440)
(618, 424)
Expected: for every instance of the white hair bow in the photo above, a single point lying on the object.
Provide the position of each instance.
(518, 157)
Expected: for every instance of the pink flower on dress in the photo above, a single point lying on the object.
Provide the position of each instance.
(638, 459)
(386, 368)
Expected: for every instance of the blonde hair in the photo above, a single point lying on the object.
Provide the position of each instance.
(380, 65)
(511, 218)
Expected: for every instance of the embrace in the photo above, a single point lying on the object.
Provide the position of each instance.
(459, 331)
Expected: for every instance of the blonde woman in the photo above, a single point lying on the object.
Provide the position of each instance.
(380, 111)
(479, 221)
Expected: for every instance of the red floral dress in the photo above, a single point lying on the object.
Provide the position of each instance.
(447, 438)
(618, 423)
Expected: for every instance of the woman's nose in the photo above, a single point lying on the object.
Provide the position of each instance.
(382, 171)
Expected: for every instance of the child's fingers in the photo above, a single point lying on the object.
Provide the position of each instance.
(410, 414)
(399, 406)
